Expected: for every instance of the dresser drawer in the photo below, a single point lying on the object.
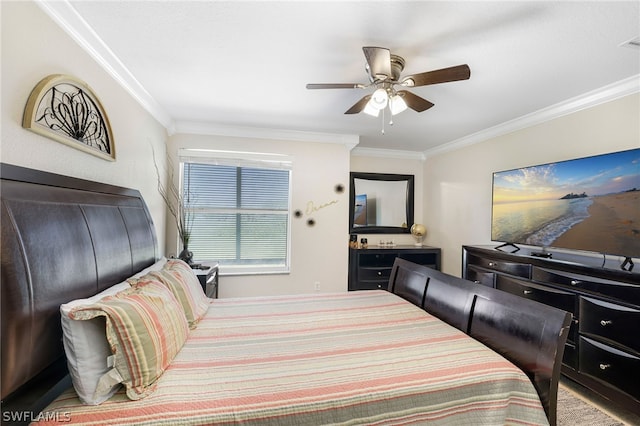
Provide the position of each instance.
(630, 293)
(374, 273)
(373, 285)
(427, 259)
(617, 368)
(612, 322)
(376, 259)
(549, 296)
(513, 268)
(480, 276)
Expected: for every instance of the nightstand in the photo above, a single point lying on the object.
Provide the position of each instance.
(208, 278)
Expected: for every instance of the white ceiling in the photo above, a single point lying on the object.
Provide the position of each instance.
(242, 65)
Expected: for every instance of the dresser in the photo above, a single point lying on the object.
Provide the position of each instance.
(603, 347)
(370, 268)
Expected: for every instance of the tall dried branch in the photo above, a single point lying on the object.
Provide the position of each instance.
(174, 200)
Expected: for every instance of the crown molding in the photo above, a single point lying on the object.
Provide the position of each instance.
(202, 128)
(66, 16)
(388, 153)
(608, 93)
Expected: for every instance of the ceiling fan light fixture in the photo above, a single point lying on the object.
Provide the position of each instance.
(371, 110)
(379, 99)
(408, 82)
(397, 104)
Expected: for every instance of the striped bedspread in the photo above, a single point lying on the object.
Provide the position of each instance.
(352, 358)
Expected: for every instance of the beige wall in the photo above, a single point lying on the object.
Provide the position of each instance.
(318, 253)
(33, 46)
(457, 187)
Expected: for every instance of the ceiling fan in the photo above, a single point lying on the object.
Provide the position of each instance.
(383, 69)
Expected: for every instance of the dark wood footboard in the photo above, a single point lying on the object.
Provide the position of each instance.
(527, 333)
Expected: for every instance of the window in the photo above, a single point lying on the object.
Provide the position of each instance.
(239, 212)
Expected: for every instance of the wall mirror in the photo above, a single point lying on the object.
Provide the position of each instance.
(380, 203)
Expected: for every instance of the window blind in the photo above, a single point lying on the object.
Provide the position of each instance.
(239, 213)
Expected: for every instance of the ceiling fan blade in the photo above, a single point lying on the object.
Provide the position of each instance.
(415, 102)
(444, 75)
(359, 106)
(379, 61)
(336, 86)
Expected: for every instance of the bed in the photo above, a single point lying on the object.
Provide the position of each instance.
(417, 353)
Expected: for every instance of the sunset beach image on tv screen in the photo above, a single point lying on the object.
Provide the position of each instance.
(590, 204)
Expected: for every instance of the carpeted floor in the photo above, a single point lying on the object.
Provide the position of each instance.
(579, 407)
(573, 411)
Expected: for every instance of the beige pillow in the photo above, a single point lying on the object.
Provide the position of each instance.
(146, 328)
(181, 280)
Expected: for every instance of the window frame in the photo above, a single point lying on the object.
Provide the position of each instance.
(247, 160)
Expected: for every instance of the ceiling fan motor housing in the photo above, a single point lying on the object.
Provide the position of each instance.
(397, 65)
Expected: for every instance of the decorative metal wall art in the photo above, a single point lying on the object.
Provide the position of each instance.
(65, 109)
(313, 208)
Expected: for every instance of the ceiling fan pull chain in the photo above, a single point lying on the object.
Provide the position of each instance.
(383, 121)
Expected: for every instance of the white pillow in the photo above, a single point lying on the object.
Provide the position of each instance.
(85, 343)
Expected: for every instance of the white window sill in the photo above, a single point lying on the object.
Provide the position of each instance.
(253, 270)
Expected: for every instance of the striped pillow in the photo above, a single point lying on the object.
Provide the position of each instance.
(146, 328)
(86, 345)
(184, 284)
(175, 283)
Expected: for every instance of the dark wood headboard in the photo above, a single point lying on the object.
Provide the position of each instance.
(62, 239)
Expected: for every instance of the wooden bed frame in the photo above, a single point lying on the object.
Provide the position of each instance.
(65, 238)
(62, 239)
(529, 334)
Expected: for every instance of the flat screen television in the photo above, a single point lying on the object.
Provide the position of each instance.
(590, 204)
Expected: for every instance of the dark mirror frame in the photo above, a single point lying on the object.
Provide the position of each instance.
(385, 177)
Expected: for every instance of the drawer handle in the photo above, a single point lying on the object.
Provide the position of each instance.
(379, 286)
(575, 282)
(492, 264)
(605, 366)
(379, 273)
(605, 323)
(527, 291)
(476, 282)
